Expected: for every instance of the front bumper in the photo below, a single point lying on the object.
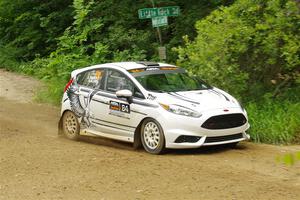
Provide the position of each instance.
(203, 142)
(176, 126)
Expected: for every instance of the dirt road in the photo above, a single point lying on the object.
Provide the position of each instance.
(37, 164)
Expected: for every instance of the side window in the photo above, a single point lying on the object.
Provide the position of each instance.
(92, 78)
(118, 81)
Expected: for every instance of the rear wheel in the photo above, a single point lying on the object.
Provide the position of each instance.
(70, 125)
(152, 137)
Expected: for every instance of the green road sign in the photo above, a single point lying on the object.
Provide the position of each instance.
(159, 21)
(147, 13)
(169, 11)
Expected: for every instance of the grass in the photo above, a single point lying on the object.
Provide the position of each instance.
(274, 121)
(52, 93)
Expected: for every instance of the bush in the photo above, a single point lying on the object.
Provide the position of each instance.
(7, 58)
(249, 48)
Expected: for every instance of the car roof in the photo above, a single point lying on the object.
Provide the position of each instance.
(125, 65)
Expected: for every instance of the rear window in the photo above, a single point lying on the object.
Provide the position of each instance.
(92, 78)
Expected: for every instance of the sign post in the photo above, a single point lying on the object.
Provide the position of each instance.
(159, 17)
(162, 53)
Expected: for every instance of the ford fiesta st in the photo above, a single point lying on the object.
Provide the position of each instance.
(155, 105)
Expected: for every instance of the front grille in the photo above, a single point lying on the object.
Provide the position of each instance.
(224, 121)
(187, 138)
(223, 138)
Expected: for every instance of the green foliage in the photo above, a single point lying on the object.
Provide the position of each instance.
(34, 28)
(274, 121)
(289, 159)
(78, 47)
(52, 93)
(7, 58)
(29, 28)
(249, 48)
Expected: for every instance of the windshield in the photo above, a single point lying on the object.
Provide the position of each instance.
(171, 82)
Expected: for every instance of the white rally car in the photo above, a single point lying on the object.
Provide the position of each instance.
(155, 105)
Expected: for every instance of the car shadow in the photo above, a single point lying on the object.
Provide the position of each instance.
(107, 142)
(129, 147)
(207, 149)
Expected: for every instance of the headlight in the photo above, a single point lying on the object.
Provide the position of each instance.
(180, 110)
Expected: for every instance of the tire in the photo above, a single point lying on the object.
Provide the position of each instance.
(70, 125)
(152, 137)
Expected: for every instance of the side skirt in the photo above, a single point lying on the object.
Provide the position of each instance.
(88, 132)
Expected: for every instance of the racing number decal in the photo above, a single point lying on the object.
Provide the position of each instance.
(125, 108)
(116, 106)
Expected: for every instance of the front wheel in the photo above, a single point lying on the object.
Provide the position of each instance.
(70, 125)
(152, 137)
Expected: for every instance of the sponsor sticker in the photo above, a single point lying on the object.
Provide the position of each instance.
(121, 107)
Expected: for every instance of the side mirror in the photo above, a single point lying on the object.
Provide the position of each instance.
(125, 94)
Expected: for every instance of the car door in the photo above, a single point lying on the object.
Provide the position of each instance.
(117, 116)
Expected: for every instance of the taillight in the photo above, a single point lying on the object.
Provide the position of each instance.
(68, 84)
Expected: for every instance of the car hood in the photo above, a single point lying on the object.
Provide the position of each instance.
(199, 100)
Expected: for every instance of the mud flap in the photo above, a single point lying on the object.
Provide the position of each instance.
(137, 143)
